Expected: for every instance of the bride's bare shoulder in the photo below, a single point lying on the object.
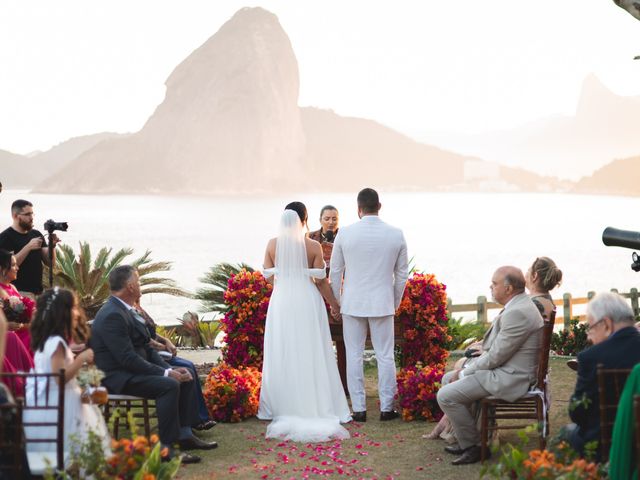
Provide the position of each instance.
(310, 243)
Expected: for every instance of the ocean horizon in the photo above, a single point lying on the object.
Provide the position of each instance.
(460, 237)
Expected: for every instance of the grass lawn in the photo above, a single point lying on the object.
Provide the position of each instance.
(376, 450)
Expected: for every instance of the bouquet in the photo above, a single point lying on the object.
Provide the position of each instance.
(18, 310)
(89, 378)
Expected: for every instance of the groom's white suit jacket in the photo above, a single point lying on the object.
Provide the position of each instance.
(372, 256)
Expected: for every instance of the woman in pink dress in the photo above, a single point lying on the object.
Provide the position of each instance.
(17, 308)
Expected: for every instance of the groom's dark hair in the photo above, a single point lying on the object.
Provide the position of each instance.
(368, 200)
(299, 208)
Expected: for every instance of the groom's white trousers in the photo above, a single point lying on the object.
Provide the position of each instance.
(355, 335)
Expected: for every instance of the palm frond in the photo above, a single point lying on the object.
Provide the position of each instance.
(89, 277)
(217, 279)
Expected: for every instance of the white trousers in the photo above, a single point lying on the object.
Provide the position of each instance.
(355, 335)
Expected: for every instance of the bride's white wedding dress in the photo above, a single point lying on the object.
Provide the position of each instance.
(301, 389)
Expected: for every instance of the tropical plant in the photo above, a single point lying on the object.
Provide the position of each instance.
(558, 461)
(463, 332)
(88, 276)
(170, 333)
(196, 332)
(138, 458)
(217, 281)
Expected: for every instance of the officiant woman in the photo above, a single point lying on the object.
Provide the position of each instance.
(328, 231)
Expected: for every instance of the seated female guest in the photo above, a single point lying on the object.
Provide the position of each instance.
(58, 317)
(542, 277)
(328, 231)
(163, 344)
(17, 308)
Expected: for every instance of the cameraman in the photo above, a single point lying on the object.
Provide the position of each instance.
(29, 246)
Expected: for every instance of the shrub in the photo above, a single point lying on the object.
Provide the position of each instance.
(570, 341)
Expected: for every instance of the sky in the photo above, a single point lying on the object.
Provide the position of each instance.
(71, 68)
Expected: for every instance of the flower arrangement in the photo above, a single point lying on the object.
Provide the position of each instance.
(19, 310)
(423, 316)
(137, 459)
(572, 340)
(140, 458)
(559, 461)
(232, 394)
(417, 389)
(247, 299)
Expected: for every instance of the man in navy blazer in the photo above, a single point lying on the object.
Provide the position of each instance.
(120, 343)
(616, 344)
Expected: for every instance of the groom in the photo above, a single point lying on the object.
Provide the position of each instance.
(370, 257)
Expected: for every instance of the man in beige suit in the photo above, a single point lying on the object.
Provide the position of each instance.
(506, 369)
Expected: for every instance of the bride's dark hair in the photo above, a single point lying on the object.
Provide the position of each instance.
(300, 209)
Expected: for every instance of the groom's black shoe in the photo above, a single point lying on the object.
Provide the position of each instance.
(359, 416)
(392, 415)
(194, 443)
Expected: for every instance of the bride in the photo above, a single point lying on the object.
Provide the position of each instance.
(301, 389)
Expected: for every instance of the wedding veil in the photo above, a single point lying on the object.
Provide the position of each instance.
(291, 253)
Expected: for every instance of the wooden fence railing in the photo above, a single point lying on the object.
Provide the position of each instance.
(565, 306)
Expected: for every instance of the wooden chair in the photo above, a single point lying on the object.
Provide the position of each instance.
(142, 409)
(12, 446)
(532, 406)
(43, 421)
(610, 385)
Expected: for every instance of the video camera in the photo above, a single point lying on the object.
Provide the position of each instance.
(51, 226)
(614, 237)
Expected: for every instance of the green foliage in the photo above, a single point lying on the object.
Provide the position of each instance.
(170, 333)
(570, 341)
(196, 332)
(463, 333)
(88, 276)
(217, 281)
(559, 461)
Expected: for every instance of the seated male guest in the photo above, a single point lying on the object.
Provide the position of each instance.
(132, 367)
(616, 344)
(506, 369)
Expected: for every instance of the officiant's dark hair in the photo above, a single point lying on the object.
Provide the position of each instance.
(368, 200)
(299, 208)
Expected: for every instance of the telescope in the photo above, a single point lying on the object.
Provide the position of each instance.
(614, 237)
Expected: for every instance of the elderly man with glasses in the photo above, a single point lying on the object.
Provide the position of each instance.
(616, 344)
(29, 247)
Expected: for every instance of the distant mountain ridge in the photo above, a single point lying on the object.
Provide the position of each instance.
(604, 127)
(25, 171)
(230, 123)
